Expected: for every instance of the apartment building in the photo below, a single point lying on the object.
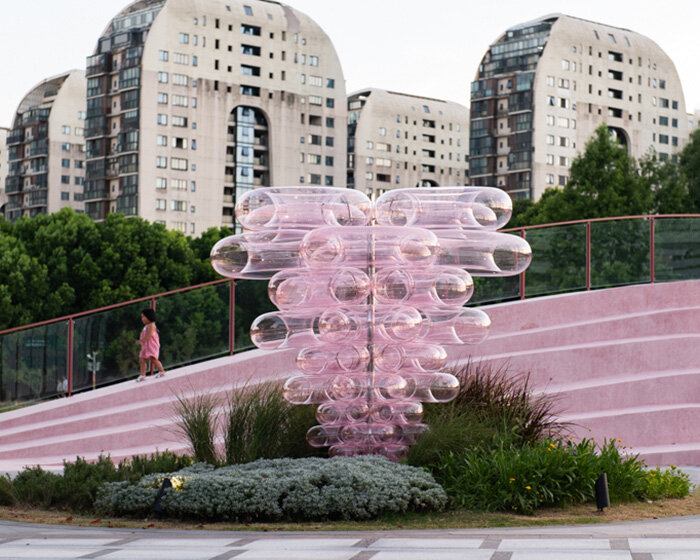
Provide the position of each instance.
(3, 167)
(544, 86)
(397, 140)
(46, 148)
(192, 103)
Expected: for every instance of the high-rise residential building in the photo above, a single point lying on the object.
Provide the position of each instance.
(397, 140)
(3, 167)
(191, 104)
(46, 148)
(544, 86)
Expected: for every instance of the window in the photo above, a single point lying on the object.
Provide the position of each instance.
(162, 162)
(663, 102)
(160, 204)
(179, 142)
(329, 181)
(247, 70)
(179, 121)
(550, 80)
(315, 100)
(65, 146)
(564, 161)
(564, 64)
(663, 139)
(313, 60)
(163, 55)
(370, 145)
(330, 83)
(314, 179)
(249, 90)
(616, 56)
(562, 180)
(162, 77)
(161, 183)
(549, 179)
(663, 121)
(329, 161)
(65, 129)
(180, 79)
(180, 100)
(250, 29)
(550, 120)
(316, 81)
(162, 119)
(563, 83)
(181, 58)
(184, 38)
(179, 184)
(329, 141)
(551, 100)
(178, 205)
(314, 139)
(314, 159)
(250, 49)
(550, 159)
(563, 122)
(163, 98)
(65, 195)
(161, 140)
(612, 38)
(248, 10)
(564, 141)
(178, 163)
(65, 163)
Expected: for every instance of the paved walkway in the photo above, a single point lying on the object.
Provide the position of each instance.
(662, 539)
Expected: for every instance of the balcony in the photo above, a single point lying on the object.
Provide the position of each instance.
(15, 137)
(13, 185)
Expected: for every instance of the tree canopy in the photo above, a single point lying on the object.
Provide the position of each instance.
(604, 181)
(62, 263)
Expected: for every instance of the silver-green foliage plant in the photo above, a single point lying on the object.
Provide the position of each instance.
(276, 489)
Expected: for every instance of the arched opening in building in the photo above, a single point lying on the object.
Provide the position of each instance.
(427, 183)
(621, 136)
(247, 157)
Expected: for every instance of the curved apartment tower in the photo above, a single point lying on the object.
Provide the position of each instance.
(544, 86)
(45, 148)
(397, 140)
(192, 102)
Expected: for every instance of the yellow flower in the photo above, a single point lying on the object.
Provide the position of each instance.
(552, 446)
(512, 480)
(619, 440)
(528, 487)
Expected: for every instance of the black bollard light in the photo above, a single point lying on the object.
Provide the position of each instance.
(602, 496)
(157, 507)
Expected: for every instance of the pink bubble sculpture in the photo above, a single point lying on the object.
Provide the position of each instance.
(370, 294)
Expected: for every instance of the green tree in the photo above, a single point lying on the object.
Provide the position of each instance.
(668, 184)
(690, 167)
(604, 181)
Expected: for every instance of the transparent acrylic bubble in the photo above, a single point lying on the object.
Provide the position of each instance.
(393, 285)
(268, 331)
(313, 360)
(352, 358)
(342, 388)
(297, 390)
(388, 357)
(335, 325)
(349, 285)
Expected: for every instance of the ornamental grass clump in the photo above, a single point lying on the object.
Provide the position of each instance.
(196, 419)
(277, 489)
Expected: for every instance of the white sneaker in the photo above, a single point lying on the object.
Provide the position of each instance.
(140, 378)
(160, 374)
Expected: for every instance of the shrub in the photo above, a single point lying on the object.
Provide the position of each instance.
(492, 407)
(666, 483)
(35, 487)
(7, 492)
(272, 489)
(260, 424)
(196, 420)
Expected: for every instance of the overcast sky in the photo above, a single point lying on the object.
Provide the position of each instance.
(430, 48)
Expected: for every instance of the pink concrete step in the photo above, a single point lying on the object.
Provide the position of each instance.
(632, 325)
(665, 387)
(641, 426)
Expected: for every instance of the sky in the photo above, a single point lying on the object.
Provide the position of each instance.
(430, 48)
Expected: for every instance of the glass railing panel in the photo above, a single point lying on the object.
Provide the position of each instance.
(251, 300)
(495, 289)
(33, 363)
(104, 346)
(193, 325)
(558, 260)
(619, 253)
(676, 249)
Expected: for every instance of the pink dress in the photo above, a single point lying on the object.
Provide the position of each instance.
(151, 347)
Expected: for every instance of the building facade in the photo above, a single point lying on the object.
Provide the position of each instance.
(544, 86)
(46, 148)
(396, 140)
(193, 102)
(3, 167)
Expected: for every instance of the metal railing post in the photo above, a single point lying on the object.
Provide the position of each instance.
(588, 255)
(69, 354)
(522, 274)
(231, 317)
(652, 264)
